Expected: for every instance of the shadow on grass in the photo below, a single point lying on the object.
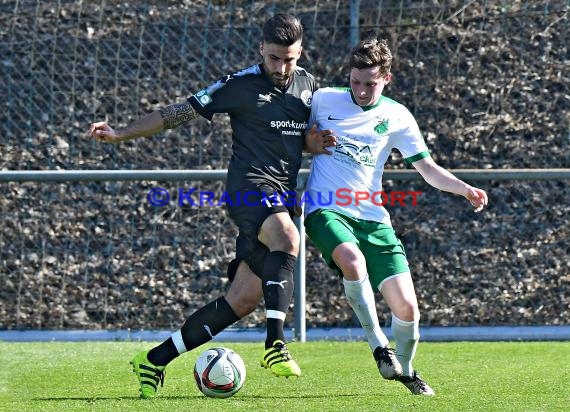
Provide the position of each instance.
(180, 397)
(111, 398)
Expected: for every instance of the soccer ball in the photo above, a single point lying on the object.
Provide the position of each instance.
(219, 372)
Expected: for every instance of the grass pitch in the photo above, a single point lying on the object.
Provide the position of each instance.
(466, 376)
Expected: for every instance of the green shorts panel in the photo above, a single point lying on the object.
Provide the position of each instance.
(384, 253)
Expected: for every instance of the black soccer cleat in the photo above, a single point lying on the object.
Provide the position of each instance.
(416, 385)
(387, 362)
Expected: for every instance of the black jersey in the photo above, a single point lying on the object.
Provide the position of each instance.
(268, 125)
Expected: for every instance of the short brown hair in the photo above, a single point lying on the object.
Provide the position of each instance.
(282, 29)
(371, 53)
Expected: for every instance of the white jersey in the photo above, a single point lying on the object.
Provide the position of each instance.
(365, 139)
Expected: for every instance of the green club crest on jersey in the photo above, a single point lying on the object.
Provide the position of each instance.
(382, 126)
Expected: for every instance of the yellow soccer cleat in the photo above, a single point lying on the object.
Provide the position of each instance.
(149, 375)
(279, 361)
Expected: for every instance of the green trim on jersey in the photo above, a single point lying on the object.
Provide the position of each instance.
(388, 100)
(417, 157)
(380, 100)
(365, 108)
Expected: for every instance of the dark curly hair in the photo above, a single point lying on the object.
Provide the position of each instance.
(371, 53)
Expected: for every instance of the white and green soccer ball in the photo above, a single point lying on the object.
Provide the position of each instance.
(219, 372)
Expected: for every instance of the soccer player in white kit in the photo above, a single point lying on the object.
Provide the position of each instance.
(343, 202)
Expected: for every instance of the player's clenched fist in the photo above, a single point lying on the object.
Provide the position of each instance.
(478, 198)
(103, 132)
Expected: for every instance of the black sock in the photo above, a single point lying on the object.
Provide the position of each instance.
(277, 286)
(198, 329)
(163, 353)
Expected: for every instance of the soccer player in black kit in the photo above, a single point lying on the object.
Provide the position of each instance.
(269, 106)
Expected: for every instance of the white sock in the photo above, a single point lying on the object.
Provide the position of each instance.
(178, 342)
(360, 295)
(406, 335)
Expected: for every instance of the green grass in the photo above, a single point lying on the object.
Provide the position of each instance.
(96, 376)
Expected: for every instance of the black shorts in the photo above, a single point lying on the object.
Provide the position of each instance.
(248, 210)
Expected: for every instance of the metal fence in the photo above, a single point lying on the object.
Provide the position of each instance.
(299, 323)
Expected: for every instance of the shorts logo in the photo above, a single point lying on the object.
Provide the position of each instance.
(307, 98)
(203, 98)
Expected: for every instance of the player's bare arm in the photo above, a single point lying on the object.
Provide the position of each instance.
(177, 114)
(148, 125)
(442, 179)
(168, 117)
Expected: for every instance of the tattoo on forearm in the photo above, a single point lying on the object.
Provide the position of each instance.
(177, 114)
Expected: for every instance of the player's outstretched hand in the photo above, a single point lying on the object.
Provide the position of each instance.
(317, 141)
(477, 197)
(104, 133)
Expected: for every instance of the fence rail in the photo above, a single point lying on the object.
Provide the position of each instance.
(210, 175)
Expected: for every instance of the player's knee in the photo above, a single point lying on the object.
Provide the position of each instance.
(244, 307)
(351, 271)
(351, 266)
(350, 261)
(245, 291)
(286, 240)
(242, 302)
(290, 242)
(408, 311)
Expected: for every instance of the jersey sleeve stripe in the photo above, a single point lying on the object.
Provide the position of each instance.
(415, 158)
